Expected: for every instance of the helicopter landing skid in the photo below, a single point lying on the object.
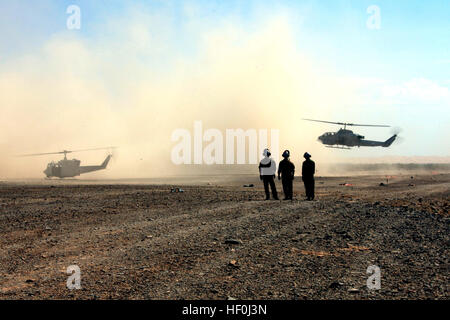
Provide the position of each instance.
(345, 148)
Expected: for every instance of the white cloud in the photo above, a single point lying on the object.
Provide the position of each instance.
(418, 89)
(383, 92)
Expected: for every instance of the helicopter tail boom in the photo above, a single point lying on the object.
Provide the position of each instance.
(85, 169)
(371, 143)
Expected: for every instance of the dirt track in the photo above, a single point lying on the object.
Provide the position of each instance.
(144, 242)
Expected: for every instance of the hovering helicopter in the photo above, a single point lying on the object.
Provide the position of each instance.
(345, 139)
(66, 168)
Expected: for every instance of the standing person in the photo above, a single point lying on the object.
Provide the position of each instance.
(286, 169)
(308, 170)
(267, 168)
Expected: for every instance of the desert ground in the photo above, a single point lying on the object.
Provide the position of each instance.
(221, 240)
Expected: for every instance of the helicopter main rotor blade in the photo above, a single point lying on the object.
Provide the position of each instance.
(349, 124)
(340, 123)
(64, 152)
(369, 125)
(42, 154)
(102, 148)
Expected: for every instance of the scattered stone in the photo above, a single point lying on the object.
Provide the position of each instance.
(353, 290)
(335, 285)
(147, 237)
(233, 263)
(233, 241)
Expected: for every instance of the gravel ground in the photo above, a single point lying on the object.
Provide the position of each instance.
(222, 241)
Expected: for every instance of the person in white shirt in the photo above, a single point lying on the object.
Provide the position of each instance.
(267, 169)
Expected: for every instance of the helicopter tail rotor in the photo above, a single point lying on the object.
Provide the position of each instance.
(395, 138)
(114, 154)
(396, 131)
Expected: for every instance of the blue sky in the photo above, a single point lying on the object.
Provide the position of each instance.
(413, 39)
(402, 69)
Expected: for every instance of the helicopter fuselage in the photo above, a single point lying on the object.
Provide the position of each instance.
(63, 169)
(71, 168)
(347, 138)
(343, 137)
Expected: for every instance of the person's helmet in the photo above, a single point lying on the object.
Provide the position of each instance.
(266, 153)
(307, 155)
(286, 154)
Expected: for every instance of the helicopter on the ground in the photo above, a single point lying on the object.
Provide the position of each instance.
(345, 139)
(66, 168)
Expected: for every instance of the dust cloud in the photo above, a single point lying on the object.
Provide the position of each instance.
(133, 88)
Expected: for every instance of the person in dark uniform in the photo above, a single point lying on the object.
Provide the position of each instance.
(267, 168)
(308, 170)
(286, 170)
